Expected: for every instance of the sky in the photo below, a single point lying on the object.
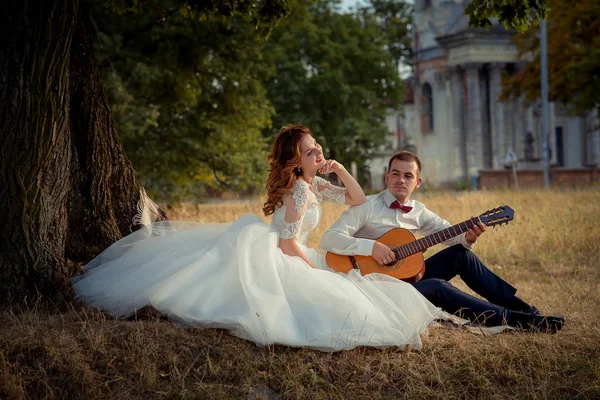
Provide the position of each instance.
(351, 3)
(346, 4)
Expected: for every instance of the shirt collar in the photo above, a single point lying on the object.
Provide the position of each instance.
(389, 198)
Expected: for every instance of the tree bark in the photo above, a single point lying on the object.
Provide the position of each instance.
(67, 189)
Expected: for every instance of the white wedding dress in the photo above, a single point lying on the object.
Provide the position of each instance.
(235, 276)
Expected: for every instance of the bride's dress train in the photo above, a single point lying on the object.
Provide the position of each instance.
(234, 276)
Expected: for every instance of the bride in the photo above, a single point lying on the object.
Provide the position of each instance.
(261, 282)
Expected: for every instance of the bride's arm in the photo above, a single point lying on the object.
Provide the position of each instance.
(296, 204)
(354, 193)
(291, 248)
(356, 196)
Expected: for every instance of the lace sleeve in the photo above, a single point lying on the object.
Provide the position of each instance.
(296, 204)
(329, 192)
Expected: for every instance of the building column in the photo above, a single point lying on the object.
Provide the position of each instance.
(497, 116)
(486, 120)
(474, 124)
(417, 140)
(530, 127)
(440, 123)
(522, 121)
(520, 125)
(458, 133)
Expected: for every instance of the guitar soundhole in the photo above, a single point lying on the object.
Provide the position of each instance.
(391, 266)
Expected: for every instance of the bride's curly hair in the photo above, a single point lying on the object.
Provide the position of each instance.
(284, 160)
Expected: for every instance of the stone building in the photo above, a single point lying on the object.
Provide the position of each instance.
(455, 121)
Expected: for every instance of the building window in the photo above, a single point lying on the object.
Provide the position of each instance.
(427, 108)
(426, 4)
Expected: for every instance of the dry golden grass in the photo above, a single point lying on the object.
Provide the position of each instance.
(550, 252)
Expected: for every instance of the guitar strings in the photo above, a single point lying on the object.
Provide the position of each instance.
(372, 262)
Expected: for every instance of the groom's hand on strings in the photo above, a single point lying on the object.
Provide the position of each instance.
(382, 254)
(473, 233)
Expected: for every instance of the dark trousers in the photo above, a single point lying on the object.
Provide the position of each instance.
(456, 260)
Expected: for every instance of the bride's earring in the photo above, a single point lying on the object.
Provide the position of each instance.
(298, 171)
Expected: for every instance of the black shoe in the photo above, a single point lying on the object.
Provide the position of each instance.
(550, 323)
(536, 322)
(533, 310)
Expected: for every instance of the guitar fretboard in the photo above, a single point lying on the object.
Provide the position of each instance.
(424, 243)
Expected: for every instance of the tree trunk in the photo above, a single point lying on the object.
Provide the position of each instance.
(67, 189)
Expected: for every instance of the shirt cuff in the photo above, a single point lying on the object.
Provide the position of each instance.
(364, 246)
(465, 243)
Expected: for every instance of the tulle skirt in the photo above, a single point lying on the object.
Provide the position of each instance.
(235, 276)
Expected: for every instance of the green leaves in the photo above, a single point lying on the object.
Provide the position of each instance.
(195, 102)
(336, 74)
(516, 14)
(187, 99)
(263, 15)
(395, 21)
(573, 57)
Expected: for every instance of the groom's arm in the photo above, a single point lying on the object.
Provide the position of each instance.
(340, 238)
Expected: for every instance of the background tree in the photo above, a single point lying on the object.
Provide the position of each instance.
(573, 57)
(187, 99)
(332, 72)
(68, 189)
(189, 104)
(395, 20)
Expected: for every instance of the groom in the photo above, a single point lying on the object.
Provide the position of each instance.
(356, 229)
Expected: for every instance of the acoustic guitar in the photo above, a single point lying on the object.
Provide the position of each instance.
(409, 264)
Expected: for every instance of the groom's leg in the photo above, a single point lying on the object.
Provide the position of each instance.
(457, 260)
(454, 301)
(442, 294)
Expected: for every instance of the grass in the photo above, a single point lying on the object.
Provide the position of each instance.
(550, 252)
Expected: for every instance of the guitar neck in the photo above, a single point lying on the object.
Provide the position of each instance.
(424, 243)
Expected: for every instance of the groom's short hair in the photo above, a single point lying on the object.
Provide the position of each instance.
(405, 156)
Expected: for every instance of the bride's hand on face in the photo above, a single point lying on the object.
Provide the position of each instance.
(331, 166)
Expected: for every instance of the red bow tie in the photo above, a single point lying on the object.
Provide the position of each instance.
(397, 206)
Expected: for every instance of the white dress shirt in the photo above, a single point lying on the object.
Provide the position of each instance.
(354, 232)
